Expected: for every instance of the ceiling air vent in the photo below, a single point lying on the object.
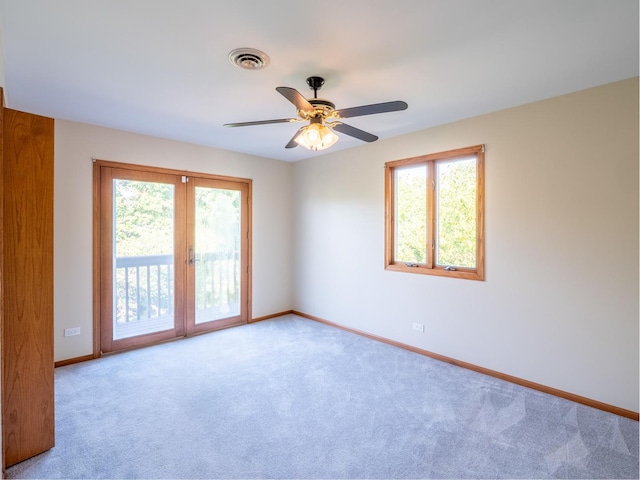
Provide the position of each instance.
(249, 58)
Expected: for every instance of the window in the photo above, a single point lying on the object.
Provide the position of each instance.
(434, 214)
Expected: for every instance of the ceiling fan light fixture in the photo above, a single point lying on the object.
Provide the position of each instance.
(316, 136)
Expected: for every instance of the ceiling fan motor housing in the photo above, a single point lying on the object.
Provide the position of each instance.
(321, 103)
(322, 109)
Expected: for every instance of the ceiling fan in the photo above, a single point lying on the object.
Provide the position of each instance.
(323, 118)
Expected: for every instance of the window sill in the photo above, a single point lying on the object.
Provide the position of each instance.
(466, 274)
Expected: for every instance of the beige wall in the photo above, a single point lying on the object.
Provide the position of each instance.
(560, 302)
(76, 144)
(2, 75)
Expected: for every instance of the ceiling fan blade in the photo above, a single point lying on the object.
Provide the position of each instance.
(260, 122)
(353, 131)
(292, 143)
(296, 98)
(371, 109)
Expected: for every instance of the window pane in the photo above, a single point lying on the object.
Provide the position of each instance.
(411, 214)
(456, 213)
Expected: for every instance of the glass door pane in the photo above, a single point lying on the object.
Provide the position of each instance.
(174, 254)
(217, 253)
(143, 254)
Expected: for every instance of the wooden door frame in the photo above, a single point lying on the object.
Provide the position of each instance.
(106, 229)
(97, 238)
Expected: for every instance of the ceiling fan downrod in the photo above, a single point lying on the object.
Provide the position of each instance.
(315, 84)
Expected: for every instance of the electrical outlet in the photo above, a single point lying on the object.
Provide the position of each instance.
(418, 327)
(70, 332)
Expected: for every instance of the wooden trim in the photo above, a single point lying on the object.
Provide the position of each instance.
(436, 271)
(431, 216)
(169, 171)
(485, 371)
(480, 214)
(97, 228)
(248, 287)
(459, 152)
(273, 315)
(106, 261)
(108, 174)
(389, 217)
(222, 324)
(189, 280)
(86, 358)
(2, 355)
(71, 361)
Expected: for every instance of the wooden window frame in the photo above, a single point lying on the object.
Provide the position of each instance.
(429, 267)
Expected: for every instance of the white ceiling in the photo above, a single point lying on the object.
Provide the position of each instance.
(160, 67)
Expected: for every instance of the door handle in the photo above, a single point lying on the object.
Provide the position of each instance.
(192, 256)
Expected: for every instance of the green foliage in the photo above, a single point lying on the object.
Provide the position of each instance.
(143, 218)
(411, 214)
(456, 213)
(144, 226)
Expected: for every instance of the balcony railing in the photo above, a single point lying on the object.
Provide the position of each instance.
(144, 291)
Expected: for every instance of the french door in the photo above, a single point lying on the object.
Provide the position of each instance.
(172, 254)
